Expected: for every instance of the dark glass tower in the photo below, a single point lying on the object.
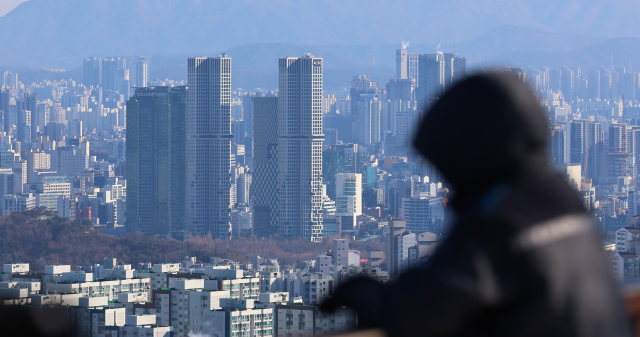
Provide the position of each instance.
(4, 106)
(265, 163)
(156, 160)
(31, 105)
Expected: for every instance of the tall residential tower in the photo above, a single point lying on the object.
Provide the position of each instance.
(300, 140)
(209, 146)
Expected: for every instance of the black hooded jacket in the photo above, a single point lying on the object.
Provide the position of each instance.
(523, 258)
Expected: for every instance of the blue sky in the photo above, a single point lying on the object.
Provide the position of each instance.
(7, 5)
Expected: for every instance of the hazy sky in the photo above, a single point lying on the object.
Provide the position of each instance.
(7, 5)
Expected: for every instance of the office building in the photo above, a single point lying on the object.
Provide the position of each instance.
(156, 156)
(431, 77)
(300, 140)
(265, 163)
(420, 212)
(49, 187)
(342, 158)
(397, 247)
(209, 146)
(348, 199)
(7, 181)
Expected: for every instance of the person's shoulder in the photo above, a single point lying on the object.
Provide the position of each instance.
(537, 199)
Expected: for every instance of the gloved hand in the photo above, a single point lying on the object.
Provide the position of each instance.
(364, 296)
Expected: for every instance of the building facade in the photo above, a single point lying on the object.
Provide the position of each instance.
(265, 163)
(300, 138)
(156, 157)
(209, 146)
(348, 199)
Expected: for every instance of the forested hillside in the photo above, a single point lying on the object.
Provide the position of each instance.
(39, 237)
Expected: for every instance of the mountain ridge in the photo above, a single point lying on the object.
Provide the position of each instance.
(59, 33)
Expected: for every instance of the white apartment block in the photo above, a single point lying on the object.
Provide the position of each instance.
(293, 320)
(183, 306)
(239, 318)
(626, 238)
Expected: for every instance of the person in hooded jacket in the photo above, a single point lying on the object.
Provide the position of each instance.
(523, 257)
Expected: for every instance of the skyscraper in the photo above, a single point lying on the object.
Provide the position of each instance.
(431, 77)
(342, 158)
(361, 85)
(402, 64)
(92, 72)
(459, 68)
(369, 108)
(451, 64)
(586, 146)
(143, 70)
(31, 105)
(156, 158)
(209, 146)
(5, 99)
(114, 72)
(557, 141)
(618, 150)
(566, 83)
(412, 66)
(265, 163)
(26, 109)
(300, 140)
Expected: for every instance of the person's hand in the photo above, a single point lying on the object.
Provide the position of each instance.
(364, 296)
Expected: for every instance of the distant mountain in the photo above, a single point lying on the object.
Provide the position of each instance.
(61, 32)
(354, 36)
(621, 52)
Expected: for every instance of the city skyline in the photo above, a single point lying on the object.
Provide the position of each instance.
(286, 169)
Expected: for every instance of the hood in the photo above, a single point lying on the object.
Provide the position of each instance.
(488, 129)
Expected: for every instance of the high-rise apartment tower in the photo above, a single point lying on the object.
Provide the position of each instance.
(209, 146)
(300, 140)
